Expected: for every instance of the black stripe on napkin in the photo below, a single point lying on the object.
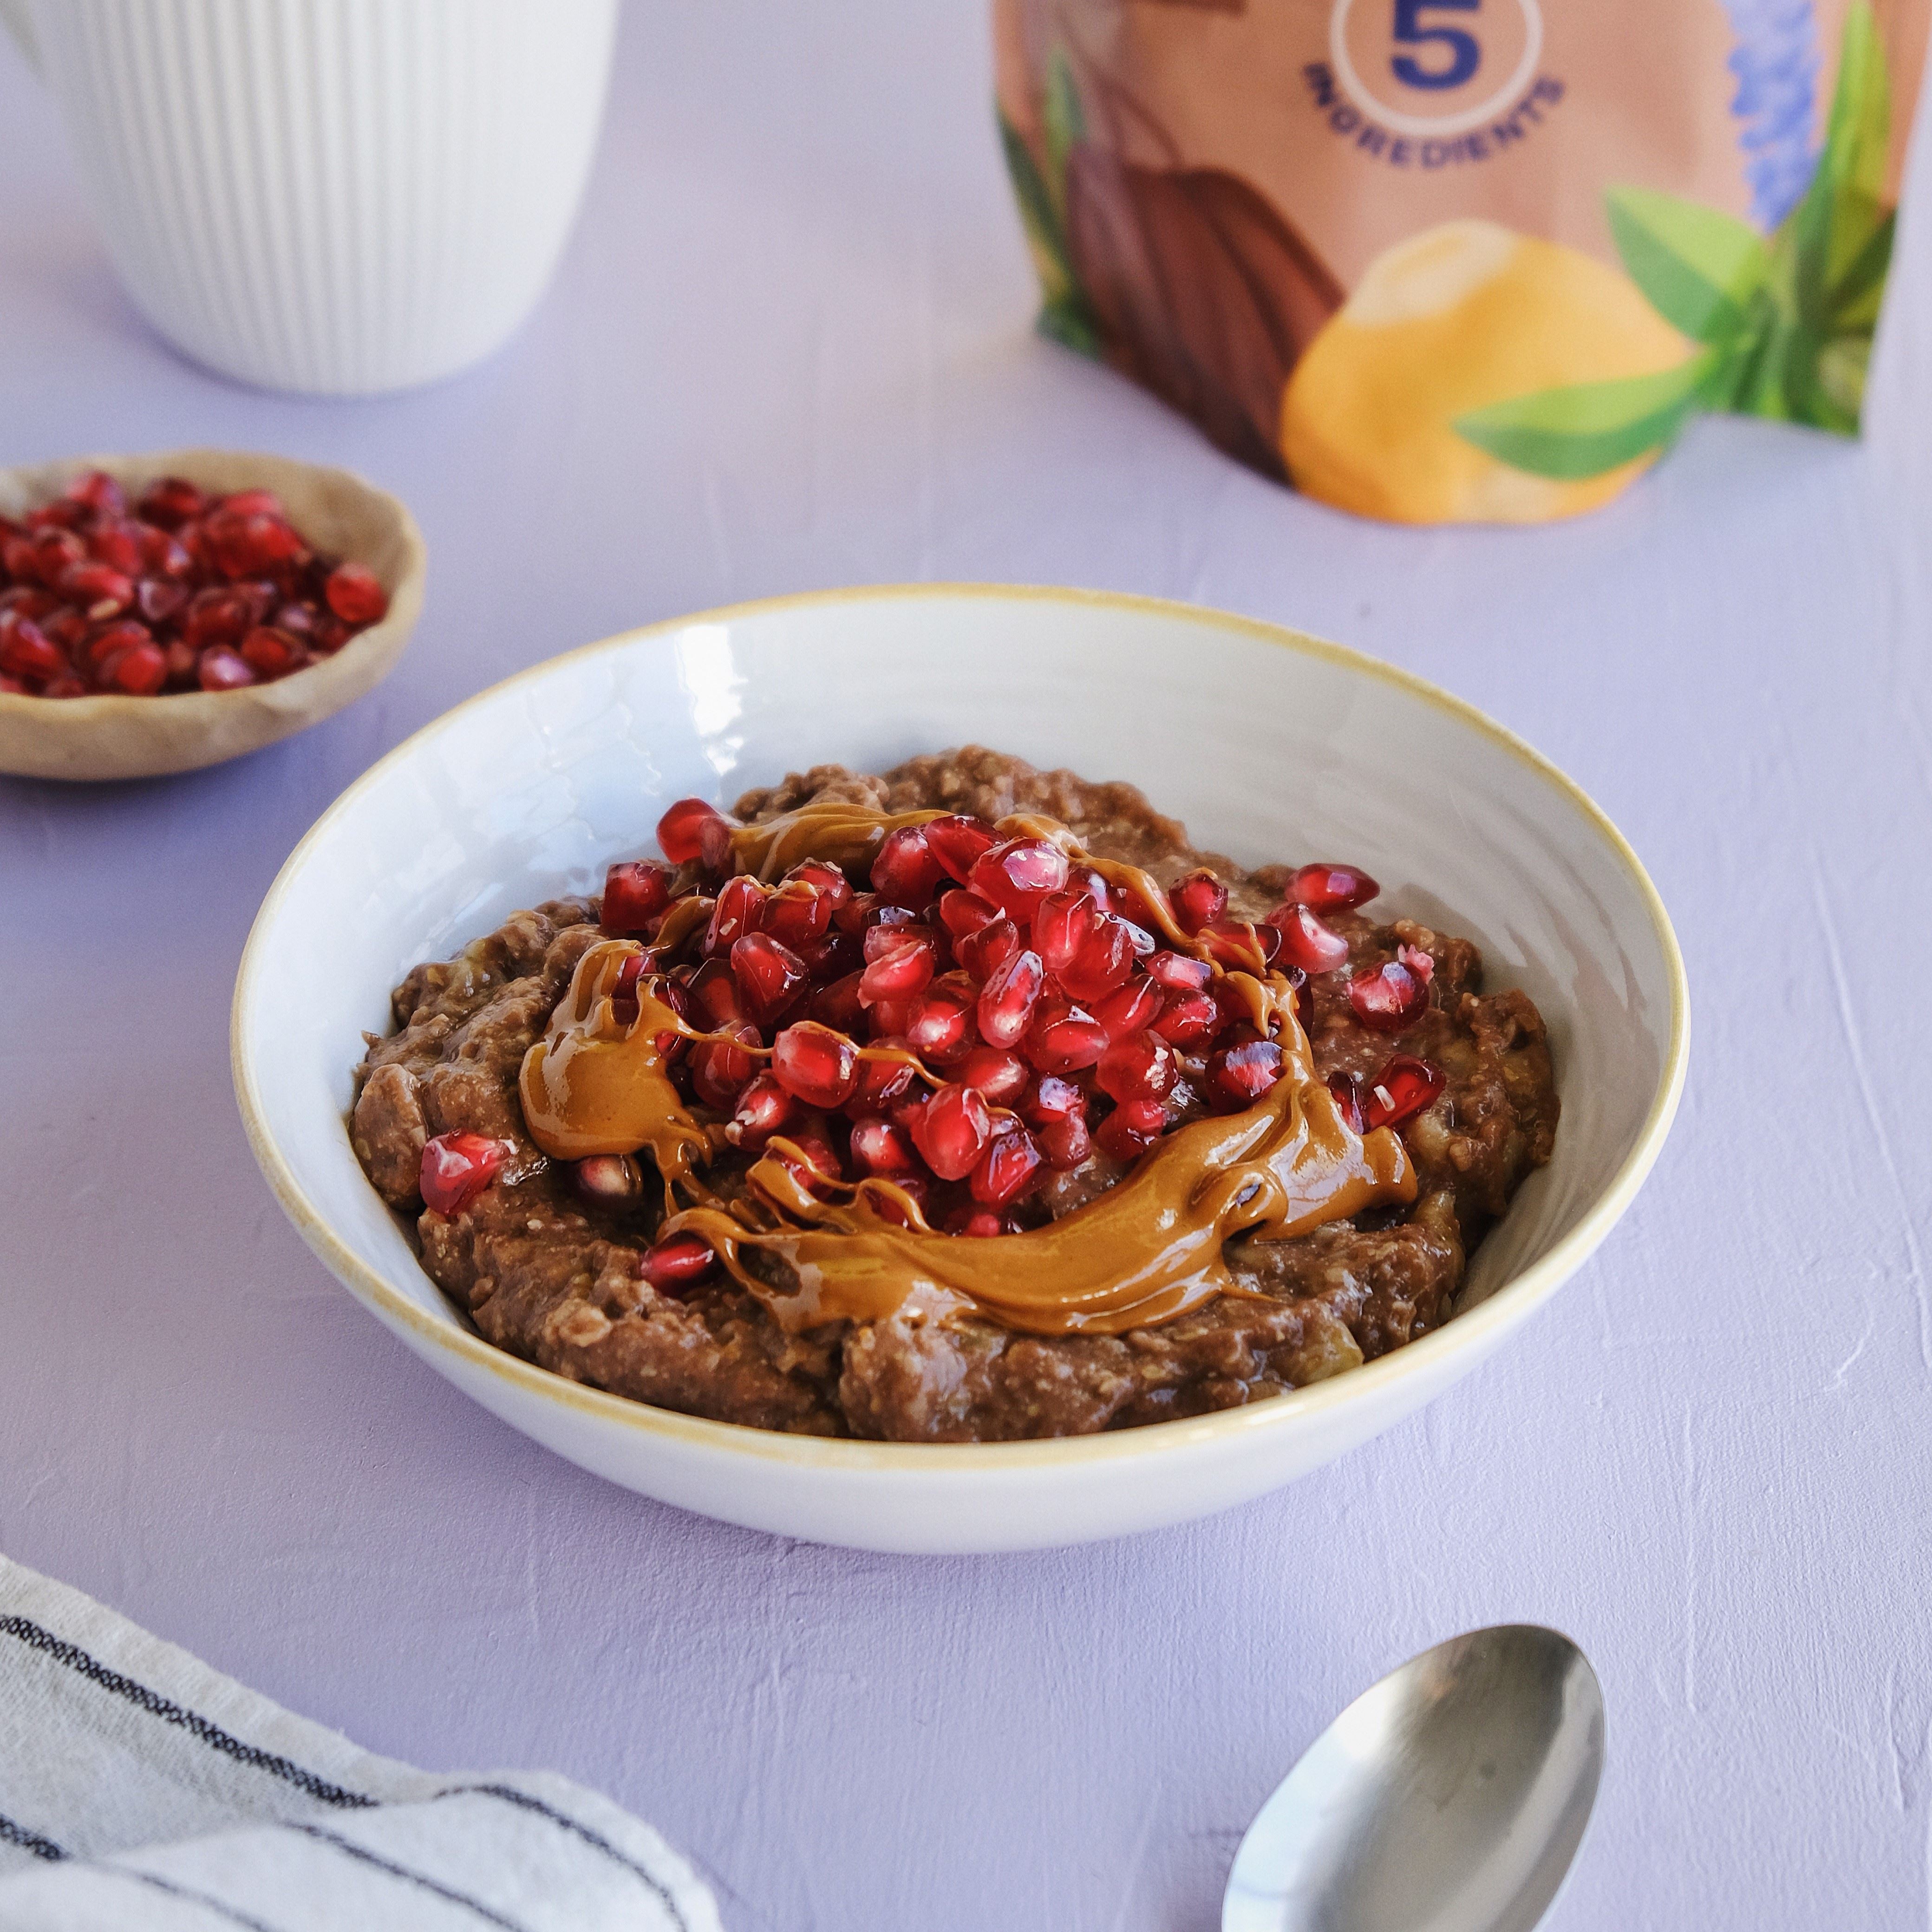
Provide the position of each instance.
(12, 1833)
(73, 1658)
(415, 1878)
(181, 1891)
(511, 1795)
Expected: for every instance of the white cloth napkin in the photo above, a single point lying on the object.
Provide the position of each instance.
(140, 1788)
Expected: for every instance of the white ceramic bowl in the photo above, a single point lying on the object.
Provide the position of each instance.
(1270, 744)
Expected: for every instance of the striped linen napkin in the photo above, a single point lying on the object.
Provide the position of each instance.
(140, 1788)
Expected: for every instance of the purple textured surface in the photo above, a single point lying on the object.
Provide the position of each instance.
(788, 348)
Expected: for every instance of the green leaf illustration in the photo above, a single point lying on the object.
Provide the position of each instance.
(1588, 428)
(1698, 267)
(1064, 315)
(1065, 124)
(1787, 323)
(1844, 209)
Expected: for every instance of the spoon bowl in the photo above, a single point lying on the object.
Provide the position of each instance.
(1450, 1797)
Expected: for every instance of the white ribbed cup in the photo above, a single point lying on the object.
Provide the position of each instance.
(336, 196)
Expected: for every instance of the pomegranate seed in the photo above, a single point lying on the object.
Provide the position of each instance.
(1065, 1141)
(1006, 1169)
(160, 555)
(26, 651)
(1388, 997)
(769, 975)
(118, 546)
(1065, 1042)
(269, 653)
(824, 876)
(170, 502)
(738, 909)
(856, 914)
(1131, 1129)
(882, 1147)
(103, 590)
(1135, 1005)
(1404, 1087)
(682, 829)
(253, 503)
(1421, 964)
(764, 1109)
(56, 551)
(983, 953)
(1006, 1003)
(880, 941)
(678, 1263)
(610, 1180)
(1104, 959)
(1331, 888)
(245, 543)
(69, 686)
(917, 1189)
(457, 1167)
(722, 1069)
(903, 968)
(1306, 942)
(1001, 1076)
(99, 491)
(940, 1026)
(714, 995)
(956, 841)
(1062, 924)
(882, 1082)
(216, 617)
(963, 913)
(905, 870)
(109, 639)
(1016, 875)
(139, 671)
(952, 1130)
(1347, 1090)
(1239, 947)
(157, 600)
(1140, 1067)
(1085, 879)
(624, 996)
(219, 669)
(1198, 900)
(1054, 1099)
(14, 687)
(977, 1223)
(888, 1018)
(635, 893)
(1237, 1076)
(67, 627)
(799, 913)
(815, 1064)
(838, 1005)
(355, 594)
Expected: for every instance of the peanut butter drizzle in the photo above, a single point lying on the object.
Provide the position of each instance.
(1146, 1250)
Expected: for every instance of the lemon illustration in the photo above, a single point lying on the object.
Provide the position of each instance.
(1461, 316)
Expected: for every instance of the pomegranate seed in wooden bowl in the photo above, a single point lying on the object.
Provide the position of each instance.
(267, 595)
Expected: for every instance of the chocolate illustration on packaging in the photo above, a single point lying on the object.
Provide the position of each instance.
(1462, 260)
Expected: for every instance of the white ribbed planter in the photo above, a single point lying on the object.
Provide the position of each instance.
(336, 196)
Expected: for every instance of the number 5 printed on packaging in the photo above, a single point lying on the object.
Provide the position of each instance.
(1430, 58)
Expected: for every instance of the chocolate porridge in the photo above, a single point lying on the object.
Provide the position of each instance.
(967, 1102)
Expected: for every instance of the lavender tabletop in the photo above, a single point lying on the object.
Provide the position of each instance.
(789, 348)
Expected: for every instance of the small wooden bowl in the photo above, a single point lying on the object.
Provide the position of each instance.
(117, 737)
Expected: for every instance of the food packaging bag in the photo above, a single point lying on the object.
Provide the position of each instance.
(1463, 260)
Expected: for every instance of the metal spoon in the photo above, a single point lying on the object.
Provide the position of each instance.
(1450, 1797)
